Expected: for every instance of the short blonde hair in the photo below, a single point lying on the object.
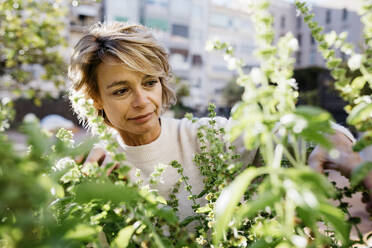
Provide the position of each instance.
(132, 45)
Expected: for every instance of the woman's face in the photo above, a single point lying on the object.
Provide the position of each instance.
(131, 100)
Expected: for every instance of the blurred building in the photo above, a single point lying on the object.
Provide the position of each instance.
(82, 14)
(184, 27)
(339, 20)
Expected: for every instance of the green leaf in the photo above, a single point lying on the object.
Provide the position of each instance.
(203, 209)
(364, 142)
(229, 198)
(308, 216)
(360, 172)
(308, 17)
(262, 243)
(265, 199)
(188, 220)
(336, 218)
(358, 83)
(124, 236)
(360, 113)
(83, 232)
(88, 191)
(333, 63)
(167, 214)
(318, 122)
(315, 182)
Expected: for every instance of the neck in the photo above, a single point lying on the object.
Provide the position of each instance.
(131, 139)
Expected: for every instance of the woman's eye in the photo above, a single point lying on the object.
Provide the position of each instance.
(151, 83)
(120, 91)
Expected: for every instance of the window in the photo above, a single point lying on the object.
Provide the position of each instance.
(82, 19)
(345, 14)
(328, 16)
(282, 21)
(157, 23)
(183, 52)
(298, 21)
(219, 20)
(298, 57)
(299, 38)
(313, 55)
(180, 30)
(312, 40)
(121, 18)
(197, 60)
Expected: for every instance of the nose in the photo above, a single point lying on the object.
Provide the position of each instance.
(140, 99)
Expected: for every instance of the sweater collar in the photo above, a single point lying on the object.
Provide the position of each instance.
(147, 152)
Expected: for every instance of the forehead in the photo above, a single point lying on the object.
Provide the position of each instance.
(107, 73)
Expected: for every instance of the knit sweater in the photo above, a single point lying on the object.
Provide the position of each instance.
(177, 141)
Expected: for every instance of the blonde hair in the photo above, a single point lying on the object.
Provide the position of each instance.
(132, 45)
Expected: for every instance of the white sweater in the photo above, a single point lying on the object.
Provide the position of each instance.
(177, 141)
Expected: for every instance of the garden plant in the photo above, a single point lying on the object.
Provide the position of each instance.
(48, 199)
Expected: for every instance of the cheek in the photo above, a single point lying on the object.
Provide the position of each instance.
(115, 110)
(159, 96)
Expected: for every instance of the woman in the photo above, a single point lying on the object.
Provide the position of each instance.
(126, 72)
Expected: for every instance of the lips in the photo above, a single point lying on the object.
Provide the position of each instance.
(140, 116)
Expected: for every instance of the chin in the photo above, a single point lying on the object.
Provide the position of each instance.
(146, 127)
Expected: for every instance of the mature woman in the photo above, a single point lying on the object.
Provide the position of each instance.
(126, 72)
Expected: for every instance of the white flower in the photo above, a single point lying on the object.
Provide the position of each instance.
(366, 99)
(300, 125)
(310, 199)
(231, 62)
(292, 82)
(295, 196)
(63, 163)
(343, 35)
(299, 241)
(293, 44)
(30, 117)
(288, 118)
(330, 38)
(209, 46)
(257, 75)
(5, 100)
(355, 62)
(81, 102)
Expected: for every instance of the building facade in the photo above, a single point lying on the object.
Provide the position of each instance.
(184, 27)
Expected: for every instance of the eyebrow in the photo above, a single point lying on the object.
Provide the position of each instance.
(124, 82)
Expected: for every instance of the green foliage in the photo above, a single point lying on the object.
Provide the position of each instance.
(32, 46)
(232, 93)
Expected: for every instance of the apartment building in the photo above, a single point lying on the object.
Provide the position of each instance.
(339, 20)
(184, 27)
